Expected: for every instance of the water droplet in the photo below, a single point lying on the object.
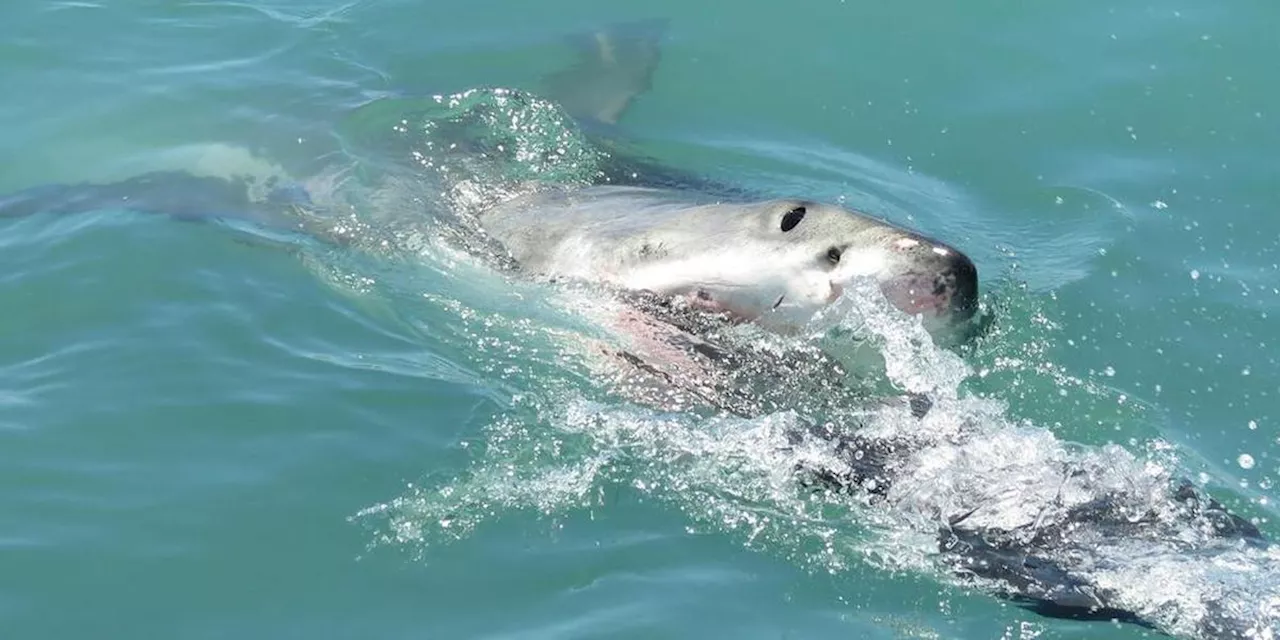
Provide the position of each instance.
(1245, 461)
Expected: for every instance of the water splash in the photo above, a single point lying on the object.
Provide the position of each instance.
(737, 476)
(478, 143)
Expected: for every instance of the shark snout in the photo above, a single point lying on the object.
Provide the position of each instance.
(935, 281)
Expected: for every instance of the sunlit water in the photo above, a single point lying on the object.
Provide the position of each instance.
(214, 431)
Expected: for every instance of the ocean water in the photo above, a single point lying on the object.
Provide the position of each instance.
(220, 430)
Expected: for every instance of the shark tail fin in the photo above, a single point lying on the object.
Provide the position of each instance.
(614, 65)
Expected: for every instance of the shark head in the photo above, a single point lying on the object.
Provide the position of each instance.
(779, 262)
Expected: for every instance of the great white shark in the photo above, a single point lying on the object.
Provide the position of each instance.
(681, 246)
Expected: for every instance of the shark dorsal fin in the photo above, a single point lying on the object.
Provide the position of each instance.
(614, 65)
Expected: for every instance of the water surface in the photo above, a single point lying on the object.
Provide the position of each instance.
(204, 429)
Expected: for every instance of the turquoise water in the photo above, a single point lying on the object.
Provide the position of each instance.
(214, 432)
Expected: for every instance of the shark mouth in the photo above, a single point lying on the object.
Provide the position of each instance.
(704, 300)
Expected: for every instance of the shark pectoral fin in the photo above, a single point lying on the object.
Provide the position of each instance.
(615, 65)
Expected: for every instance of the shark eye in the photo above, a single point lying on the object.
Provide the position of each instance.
(792, 218)
(833, 255)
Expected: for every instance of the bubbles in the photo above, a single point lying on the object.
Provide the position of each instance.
(1245, 461)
